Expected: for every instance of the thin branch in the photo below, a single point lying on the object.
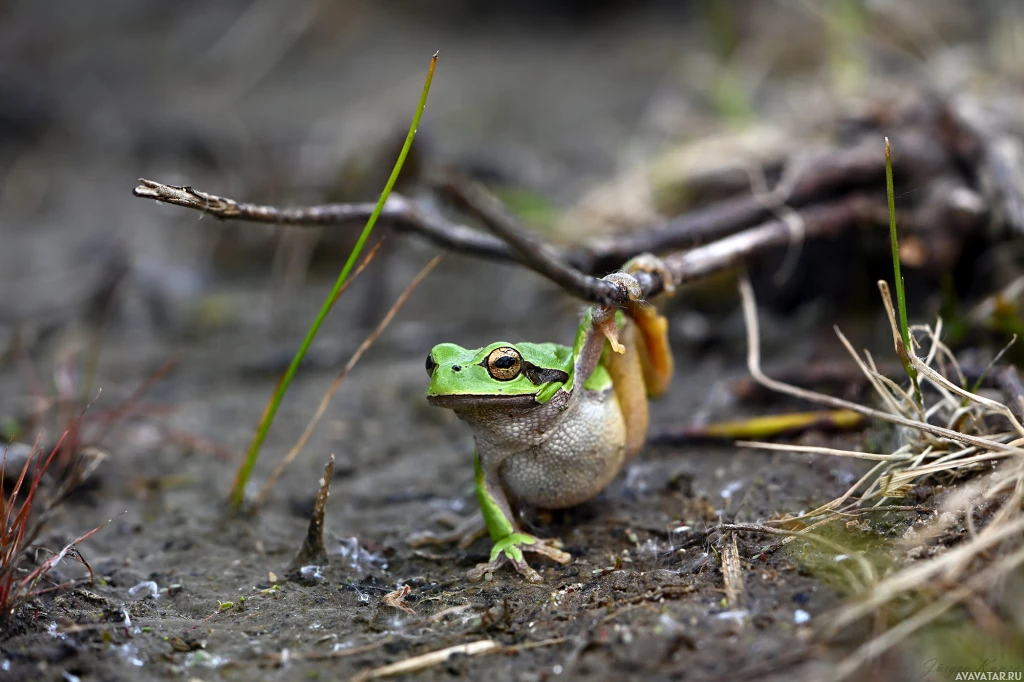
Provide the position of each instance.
(684, 266)
(534, 253)
(554, 264)
(403, 215)
(831, 173)
(833, 218)
(399, 212)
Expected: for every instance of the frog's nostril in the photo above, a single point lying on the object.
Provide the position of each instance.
(456, 368)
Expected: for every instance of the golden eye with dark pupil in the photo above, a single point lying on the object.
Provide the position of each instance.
(504, 364)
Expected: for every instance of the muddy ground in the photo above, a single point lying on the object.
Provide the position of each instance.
(271, 102)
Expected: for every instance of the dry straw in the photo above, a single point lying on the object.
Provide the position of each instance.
(949, 431)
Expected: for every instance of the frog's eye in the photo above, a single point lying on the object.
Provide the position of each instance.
(504, 364)
(431, 364)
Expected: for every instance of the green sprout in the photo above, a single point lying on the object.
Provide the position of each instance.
(237, 494)
(901, 301)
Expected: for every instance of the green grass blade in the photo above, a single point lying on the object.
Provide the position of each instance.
(901, 301)
(247, 465)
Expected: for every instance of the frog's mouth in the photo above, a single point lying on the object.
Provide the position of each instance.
(455, 400)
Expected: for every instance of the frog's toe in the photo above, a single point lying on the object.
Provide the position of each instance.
(552, 549)
(481, 570)
(524, 570)
(605, 322)
(477, 573)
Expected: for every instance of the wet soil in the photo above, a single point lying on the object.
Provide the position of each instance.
(173, 95)
(644, 594)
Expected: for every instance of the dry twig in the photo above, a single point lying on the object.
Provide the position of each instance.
(400, 212)
(313, 551)
(819, 220)
(429, 660)
(732, 573)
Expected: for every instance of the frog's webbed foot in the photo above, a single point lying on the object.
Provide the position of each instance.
(510, 549)
(464, 531)
(604, 321)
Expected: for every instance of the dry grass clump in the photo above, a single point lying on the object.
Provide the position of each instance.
(19, 527)
(971, 443)
(32, 491)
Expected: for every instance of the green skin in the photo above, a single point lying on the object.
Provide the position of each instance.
(475, 380)
(462, 381)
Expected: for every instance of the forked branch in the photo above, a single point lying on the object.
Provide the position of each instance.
(513, 242)
(825, 193)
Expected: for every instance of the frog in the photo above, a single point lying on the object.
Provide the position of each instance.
(553, 425)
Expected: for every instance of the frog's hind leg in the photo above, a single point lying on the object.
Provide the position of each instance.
(654, 349)
(628, 380)
(643, 370)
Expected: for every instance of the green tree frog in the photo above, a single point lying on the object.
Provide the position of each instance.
(553, 424)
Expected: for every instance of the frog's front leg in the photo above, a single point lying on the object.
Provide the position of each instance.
(509, 543)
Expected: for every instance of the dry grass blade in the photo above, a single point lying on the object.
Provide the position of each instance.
(789, 447)
(969, 442)
(754, 365)
(915, 576)
(367, 259)
(877, 646)
(429, 660)
(942, 382)
(326, 400)
(732, 574)
(28, 584)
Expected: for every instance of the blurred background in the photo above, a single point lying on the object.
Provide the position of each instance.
(301, 102)
(586, 117)
(589, 119)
